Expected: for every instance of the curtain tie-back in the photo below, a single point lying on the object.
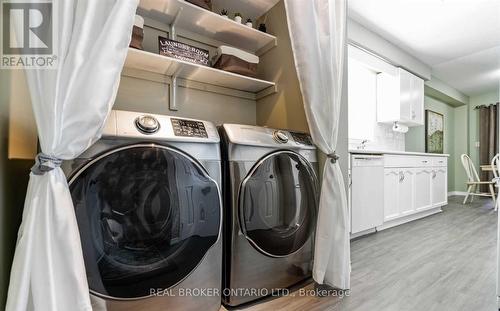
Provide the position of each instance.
(45, 163)
(333, 157)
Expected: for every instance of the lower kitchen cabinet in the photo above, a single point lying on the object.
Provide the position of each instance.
(406, 190)
(413, 185)
(440, 186)
(391, 193)
(423, 188)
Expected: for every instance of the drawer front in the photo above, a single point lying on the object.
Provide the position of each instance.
(440, 161)
(399, 161)
(423, 161)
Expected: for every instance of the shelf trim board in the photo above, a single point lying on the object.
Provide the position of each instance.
(168, 66)
(200, 86)
(266, 48)
(267, 92)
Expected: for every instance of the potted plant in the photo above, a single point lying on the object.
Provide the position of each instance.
(249, 23)
(237, 17)
(223, 13)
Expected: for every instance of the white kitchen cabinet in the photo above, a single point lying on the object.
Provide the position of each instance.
(412, 185)
(405, 189)
(398, 192)
(439, 186)
(423, 187)
(391, 196)
(400, 98)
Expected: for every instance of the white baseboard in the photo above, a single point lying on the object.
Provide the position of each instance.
(462, 193)
(365, 232)
(411, 217)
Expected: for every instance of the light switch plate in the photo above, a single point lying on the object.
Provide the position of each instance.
(477, 144)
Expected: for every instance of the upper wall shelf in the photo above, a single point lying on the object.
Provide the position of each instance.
(141, 60)
(205, 23)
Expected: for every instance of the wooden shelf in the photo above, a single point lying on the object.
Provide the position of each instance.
(206, 23)
(146, 61)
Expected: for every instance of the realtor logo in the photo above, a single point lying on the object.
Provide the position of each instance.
(28, 34)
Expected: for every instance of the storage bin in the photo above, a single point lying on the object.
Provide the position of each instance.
(236, 61)
(137, 33)
(206, 4)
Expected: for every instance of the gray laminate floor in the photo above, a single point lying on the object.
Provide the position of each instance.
(443, 262)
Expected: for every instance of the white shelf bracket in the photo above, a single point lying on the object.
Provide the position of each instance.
(172, 104)
(173, 33)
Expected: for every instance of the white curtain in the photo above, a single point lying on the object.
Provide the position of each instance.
(70, 105)
(318, 33)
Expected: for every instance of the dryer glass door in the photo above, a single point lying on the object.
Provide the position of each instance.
(278, 202)
(147, 215)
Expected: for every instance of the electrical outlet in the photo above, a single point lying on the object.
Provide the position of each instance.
(477, 144)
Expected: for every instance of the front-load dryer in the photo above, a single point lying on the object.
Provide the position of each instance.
(271, 201)
(149, 212)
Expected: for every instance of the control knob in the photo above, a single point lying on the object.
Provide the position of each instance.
(147, 124)
(280, 137)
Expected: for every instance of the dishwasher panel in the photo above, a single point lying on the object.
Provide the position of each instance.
(367, 192)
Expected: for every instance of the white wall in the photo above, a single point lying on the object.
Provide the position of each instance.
(361, 36)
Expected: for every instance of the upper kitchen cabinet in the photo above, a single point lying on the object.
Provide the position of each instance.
(400, 98)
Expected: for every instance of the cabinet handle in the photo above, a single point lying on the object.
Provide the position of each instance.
(425, 161)
(433, 174)
(401, 176)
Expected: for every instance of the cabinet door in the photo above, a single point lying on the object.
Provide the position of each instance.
(417, 105)
(439, 186)
(405, 95)
(391, 184)
(405, 190)
(423, 180)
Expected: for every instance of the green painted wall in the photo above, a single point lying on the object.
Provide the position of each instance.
(461, 146)
(455, 126)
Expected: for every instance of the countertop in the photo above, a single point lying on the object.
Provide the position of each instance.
(368, 151)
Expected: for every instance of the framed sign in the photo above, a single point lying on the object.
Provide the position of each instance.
(434, 132)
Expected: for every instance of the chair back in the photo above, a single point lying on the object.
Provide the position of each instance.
(495, 165)
(470, 170)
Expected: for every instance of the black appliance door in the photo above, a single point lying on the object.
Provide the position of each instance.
(278, 203)
(147, 215)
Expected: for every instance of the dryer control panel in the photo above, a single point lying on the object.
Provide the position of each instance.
(188, 128)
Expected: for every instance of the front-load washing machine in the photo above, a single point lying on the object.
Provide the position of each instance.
(149, 211)
(271, 201)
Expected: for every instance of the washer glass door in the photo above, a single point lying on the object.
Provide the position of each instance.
(278, 202)
(147, 215)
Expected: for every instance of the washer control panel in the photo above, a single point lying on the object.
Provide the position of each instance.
(188, 128)
(302, 139)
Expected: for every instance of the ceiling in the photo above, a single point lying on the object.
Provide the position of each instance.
(458, 39)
